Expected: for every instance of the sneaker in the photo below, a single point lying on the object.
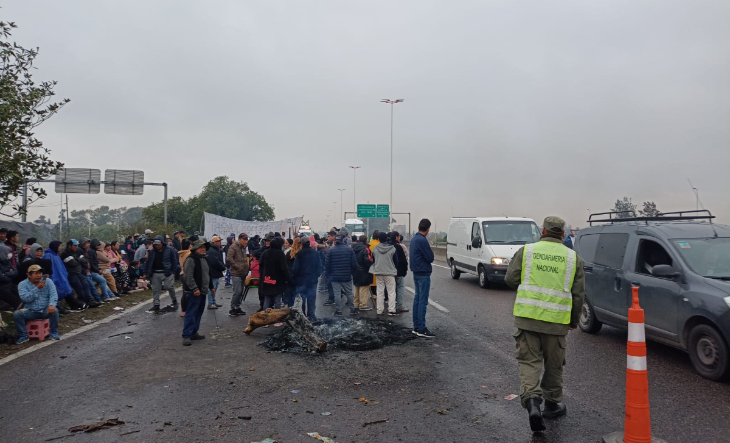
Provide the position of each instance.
(414, 332)
(173, 306)
(329, 303)
(217, 305)
(54, 336)
(154, 308)
(94, 304)
(402, 310)
(77, 309)
(354, 311)
(338, 313)
(425, 333)
(21, 340)
(366, 309)
(239, 311)
(187, 342)
(213, 306)
(197, 336)
(393, 314)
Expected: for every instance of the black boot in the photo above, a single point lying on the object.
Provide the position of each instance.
(554, 410)
(533, 409)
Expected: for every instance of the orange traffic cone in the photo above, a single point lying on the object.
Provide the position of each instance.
(637, 424)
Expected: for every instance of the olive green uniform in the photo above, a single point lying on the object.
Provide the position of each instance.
(541, 344)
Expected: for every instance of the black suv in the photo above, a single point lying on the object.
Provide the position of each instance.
(680, 262)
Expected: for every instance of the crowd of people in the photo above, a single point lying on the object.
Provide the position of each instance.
(354, 273)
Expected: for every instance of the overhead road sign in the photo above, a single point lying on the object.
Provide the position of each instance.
(366, 211)
(123, 182)
(383, 211)
(78, 181)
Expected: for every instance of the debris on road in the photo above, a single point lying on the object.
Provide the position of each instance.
(266, 440)
(87, 321)
(121, 333)
(320, 437)
(352, 334)
(118, 308)
(326, 413)
(384, 420)
(106, 424)
(511, 397)
(296, 391)
(245, 417)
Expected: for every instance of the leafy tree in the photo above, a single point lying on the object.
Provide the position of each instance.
(24, 105)
(626, 206)
(649, 210)
(221, 196)
(42, 219)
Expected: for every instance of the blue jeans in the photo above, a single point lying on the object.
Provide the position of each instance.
(420, 300)
(95, 278)
(193, 313)
(81, 287)
(272, 301)
(400, 288)
(22, 315)
(343, 289)
(290, 295)
(211, 297)
(309, 299)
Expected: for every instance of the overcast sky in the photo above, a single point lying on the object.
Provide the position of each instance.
(527, 108)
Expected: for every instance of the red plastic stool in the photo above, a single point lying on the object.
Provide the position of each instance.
(39, 329)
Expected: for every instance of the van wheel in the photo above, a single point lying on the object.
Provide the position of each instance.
(708, 352)
(588, 322)
(483, 281)
(455, 273)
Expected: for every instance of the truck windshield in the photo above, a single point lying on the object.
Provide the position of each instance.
(355, 228)
(510, 232)
(709, 257)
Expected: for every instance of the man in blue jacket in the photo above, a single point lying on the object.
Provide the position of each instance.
(162, 263)
(306, 271)
(340, 264)
(421, 259)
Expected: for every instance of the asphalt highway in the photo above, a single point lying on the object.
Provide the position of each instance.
(226, 388)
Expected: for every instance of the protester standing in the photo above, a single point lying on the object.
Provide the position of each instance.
(400, 279)
(421, 259)
(385, 269)
(196, 282)
(305, 273)
(340, 265)
(362, 279)
(291, 254)
(9, 298)
(274, 274)
(238, 262)
(162, 262)
(216, 267)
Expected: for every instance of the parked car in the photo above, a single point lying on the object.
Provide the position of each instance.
(681, 264)
(483, 246)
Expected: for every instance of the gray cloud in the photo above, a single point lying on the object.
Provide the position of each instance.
(522, 108)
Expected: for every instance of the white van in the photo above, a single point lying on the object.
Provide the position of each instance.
(483, 246)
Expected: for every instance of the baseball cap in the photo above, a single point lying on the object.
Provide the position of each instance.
(157, 242)
(554, 224)
(243, 236)
(136, 235)
(148, 231)
(34, 268)
(74, 242)
(214, 239)
(332, 233)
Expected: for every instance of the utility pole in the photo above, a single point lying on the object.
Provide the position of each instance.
(68, 222)
(334, 211)
(697, 194)
(343, 214)
(354, 188)
(392, 103)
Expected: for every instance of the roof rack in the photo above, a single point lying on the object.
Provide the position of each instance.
(614, 216)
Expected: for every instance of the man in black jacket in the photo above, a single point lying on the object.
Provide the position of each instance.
(216, 267)
(196, 282)
(76, 277)
(400, 279)
(362, 279)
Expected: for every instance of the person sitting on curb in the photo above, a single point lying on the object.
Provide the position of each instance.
(40, 298)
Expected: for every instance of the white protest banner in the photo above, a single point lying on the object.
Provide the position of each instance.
(223, 226)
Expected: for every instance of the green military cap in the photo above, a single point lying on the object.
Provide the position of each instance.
(200, 242)
(553, 224)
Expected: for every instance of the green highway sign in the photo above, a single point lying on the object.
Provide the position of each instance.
(366, 211)
(383, 211)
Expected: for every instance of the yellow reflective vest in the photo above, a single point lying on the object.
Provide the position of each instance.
(548, 270)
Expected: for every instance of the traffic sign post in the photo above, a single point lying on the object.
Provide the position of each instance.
(383, 211)
(366, 211)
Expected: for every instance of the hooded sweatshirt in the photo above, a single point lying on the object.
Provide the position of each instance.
(8, 273)
(60, 275)
(31, 259)
(105, 265)
(385, 260)
(93, 257)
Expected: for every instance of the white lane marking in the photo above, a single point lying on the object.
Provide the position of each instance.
(430, 302)
(49, 342)
(439, 266)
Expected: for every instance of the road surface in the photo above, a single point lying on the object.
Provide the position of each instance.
(450, 389)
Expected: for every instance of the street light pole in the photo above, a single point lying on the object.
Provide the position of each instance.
(392, 103)
(341, 190)
(334, 211)
(354, 188)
